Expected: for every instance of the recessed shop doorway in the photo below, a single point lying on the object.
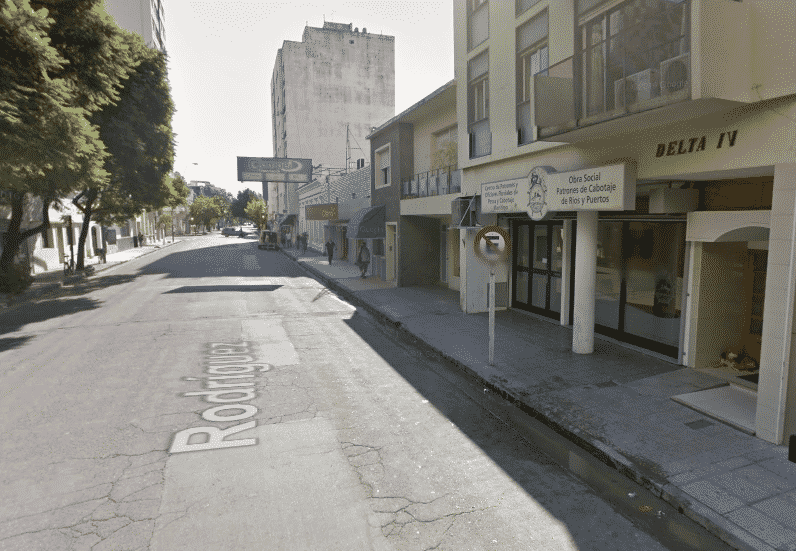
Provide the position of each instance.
(538, 256)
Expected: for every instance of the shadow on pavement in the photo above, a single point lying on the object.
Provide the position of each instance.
(45, 310)
(221, 288)
(234, 259)
(10, 343)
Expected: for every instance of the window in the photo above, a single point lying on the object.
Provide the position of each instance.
(478, 105)
(525, 5)
(444, 148)
(532, 59)
(383, 175)
(477, 22)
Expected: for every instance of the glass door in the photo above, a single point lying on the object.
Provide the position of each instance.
(538, 260)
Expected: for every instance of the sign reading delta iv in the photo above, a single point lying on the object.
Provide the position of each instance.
(274, 169)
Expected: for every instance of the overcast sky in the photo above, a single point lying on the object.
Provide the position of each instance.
(222, 53)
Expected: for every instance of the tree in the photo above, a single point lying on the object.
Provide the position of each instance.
(257, 212)
(206, 211)
(137, 134)
(239, 204)
(59, 62)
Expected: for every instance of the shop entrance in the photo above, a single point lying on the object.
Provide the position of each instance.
(537, 264)
(640, 283)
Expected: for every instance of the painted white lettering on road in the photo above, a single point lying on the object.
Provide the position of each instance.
(227, 364)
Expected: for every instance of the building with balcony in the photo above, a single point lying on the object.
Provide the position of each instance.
(641, 155)
(415, 177)
(327, 92)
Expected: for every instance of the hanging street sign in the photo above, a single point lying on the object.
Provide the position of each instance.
(492, 245)
(274, 169)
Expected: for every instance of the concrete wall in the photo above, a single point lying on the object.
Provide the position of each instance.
(776, 406)
(400, 138)
(419, 249)
(332, 78)
(718, 309)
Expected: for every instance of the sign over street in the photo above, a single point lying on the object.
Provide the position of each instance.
(274, 169)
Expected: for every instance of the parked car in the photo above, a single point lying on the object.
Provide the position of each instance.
(233, 231)
(269, 240)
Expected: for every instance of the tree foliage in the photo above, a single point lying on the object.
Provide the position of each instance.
(241, 201)
(257, 211)
(206, 211)
(60, 61)
(136, 131)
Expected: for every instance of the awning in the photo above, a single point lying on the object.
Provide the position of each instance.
(367, 223)
(289, 220)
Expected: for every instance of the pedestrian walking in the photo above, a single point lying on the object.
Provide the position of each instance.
(304, 243)
(330, 250)
(363, 259)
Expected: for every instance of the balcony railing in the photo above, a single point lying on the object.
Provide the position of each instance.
(442, 181)
(624, 74)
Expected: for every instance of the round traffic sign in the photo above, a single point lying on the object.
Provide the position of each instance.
(492, 245)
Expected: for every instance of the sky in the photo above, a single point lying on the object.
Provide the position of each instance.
(222, 53)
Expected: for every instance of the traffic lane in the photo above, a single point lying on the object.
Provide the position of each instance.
(438, 469)
(89, 424)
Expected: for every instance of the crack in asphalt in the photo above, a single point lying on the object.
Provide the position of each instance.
(109, 513)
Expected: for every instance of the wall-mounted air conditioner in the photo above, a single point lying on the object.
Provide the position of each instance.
(464, 211)
(676, 74)
(637, 87)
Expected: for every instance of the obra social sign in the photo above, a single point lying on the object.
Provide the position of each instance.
(544, 191)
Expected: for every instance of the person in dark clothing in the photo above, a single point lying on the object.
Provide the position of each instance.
(330, 250)
(304, 243)
(363, 259)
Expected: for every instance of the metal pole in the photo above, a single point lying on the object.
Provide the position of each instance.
(491, 317)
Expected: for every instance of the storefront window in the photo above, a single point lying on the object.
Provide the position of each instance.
(609, 274)
(654, 281)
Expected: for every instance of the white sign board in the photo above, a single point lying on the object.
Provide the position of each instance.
(544, 190)
(505, 196)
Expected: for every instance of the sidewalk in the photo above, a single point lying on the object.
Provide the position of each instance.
(46, 282)
(615, 404)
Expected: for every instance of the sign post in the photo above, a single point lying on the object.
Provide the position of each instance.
(492, 246)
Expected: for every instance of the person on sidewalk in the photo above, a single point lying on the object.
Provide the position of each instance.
(304, 243)
(363, 259)
(330, 250)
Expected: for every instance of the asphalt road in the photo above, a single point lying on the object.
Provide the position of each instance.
(338, 436)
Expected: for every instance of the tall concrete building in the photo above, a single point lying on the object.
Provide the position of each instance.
(327, 92)
(145, 17)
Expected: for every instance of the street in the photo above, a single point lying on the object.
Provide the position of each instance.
(113, 415)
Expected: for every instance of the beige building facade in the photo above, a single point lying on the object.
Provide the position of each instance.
(327, 92)
(693, 103)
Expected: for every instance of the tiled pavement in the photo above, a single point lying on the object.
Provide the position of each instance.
(614, 403)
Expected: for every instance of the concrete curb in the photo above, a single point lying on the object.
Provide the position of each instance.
(711, 521)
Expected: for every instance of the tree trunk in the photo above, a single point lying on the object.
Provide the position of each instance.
(13, 238)
(91, 196)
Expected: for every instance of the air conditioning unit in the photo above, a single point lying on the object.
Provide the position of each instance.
(464, 211)
(637, 87)
(676, 74)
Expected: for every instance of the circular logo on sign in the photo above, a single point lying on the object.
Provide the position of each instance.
(537, 192)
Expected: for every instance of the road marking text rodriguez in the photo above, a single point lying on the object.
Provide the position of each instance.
(230, 369)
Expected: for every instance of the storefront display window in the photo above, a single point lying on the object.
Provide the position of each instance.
(640, 282)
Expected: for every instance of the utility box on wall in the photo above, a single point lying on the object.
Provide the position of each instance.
(673, 201)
